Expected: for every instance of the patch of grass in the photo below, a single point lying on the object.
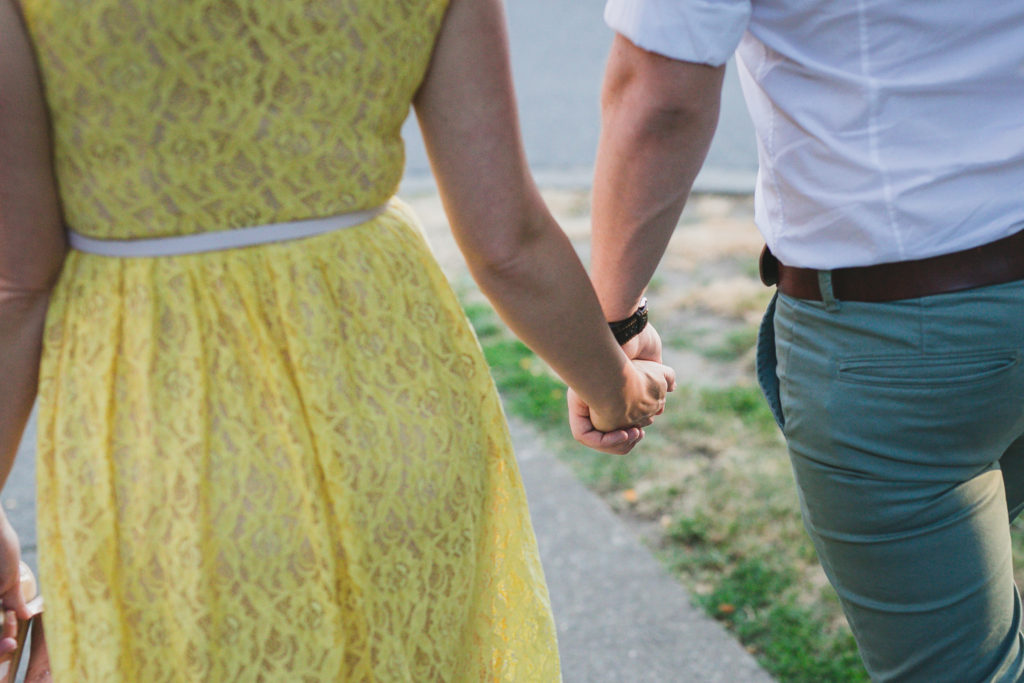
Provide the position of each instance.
(751, 268)
(656, 284)
(682, 341)
(700, 558)
(755, 600)
(688, 529)
(734, 346)
(531, 390)
(606, 473)
(689, 339)
(743, 402)
(485, 322)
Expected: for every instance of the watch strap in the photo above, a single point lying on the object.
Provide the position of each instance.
(624, 330)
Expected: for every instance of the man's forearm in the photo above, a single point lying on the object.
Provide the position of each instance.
(658, 117)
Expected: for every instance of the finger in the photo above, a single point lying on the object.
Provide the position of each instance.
(631, 444)
(592, 437)
(670, 377)
(13, 600)
(614, 442)
(579, 415)
(635, 433)
(9, 632)
(617, 442)
(663, 374)
(581, 423)
(10, 628)
(633, 436)
(583, 429)
(619, 447)
(600, 441)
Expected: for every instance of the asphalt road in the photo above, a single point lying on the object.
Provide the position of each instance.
(559, 48)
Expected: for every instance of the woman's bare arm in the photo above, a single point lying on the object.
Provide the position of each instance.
(517, 253)
(31, 235)
(31, 253)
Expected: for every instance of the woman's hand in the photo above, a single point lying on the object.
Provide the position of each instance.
(618, 428)
(15, 610)
(31, 254)
(14, 607)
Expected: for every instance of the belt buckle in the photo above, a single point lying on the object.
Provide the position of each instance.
(768, 267)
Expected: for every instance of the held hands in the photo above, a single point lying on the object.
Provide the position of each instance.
(644, 346)
(618, 429)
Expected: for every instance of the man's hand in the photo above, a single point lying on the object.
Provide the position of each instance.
(644, 346)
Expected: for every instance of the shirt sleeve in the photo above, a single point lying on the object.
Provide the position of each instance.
(701, 31)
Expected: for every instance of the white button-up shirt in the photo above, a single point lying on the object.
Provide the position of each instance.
(887, 131)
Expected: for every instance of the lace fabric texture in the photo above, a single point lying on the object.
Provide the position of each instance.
(278, 463)
(265, 478)
(198, 115)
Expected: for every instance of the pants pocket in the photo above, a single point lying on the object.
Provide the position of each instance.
(767, 361)
(927, 370)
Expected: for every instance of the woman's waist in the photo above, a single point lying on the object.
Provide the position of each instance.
(221, 240)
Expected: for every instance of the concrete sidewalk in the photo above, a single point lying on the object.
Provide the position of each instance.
(621, 618)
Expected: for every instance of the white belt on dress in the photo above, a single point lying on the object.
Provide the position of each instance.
(235, 238)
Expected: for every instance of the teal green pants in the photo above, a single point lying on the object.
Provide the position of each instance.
(905, 426)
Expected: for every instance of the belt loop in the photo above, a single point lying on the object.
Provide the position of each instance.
(825, 287)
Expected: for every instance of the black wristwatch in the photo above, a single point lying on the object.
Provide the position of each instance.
(624, 330)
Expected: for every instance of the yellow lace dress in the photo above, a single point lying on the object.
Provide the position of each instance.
(278, 463)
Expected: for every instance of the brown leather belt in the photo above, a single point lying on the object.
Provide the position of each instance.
(990, 264)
